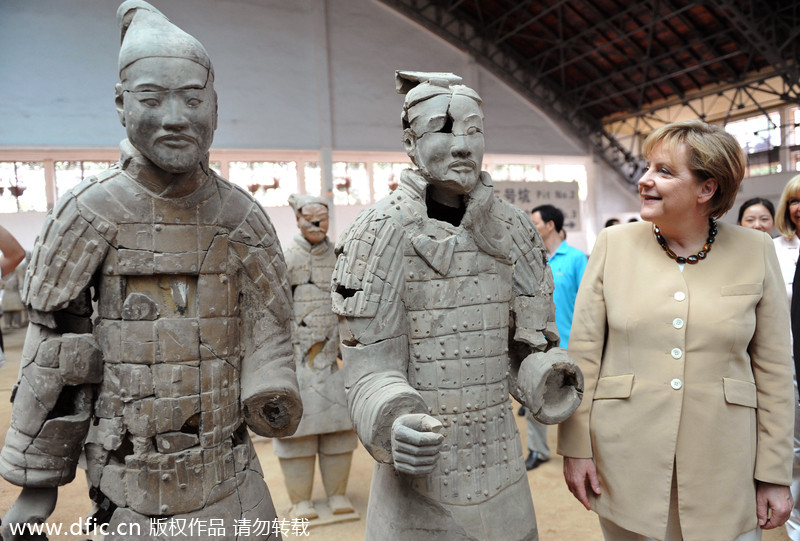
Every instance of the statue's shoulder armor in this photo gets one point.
(529, 254)
(298, 262)
(72, 245)
(253, 238)
(369, 259)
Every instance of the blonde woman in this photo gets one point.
(787, 246)
(681, 329)
(787, 218)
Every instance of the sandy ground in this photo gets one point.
(560, 517)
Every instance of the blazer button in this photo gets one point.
(676, 384)
(677, 323)
(679, 296)
(676, 353)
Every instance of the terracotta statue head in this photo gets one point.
(312, 216)
(442, 129)
(165, 97)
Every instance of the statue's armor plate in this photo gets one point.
(458, 336)
(315, 337)
(170, 273)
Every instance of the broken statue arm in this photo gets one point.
(270, 394)
(543, 376)
(52, 399)
(389, 415)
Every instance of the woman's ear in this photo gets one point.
(707, 190)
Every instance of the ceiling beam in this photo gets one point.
(515, 71)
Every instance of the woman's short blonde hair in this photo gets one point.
(783, 221)
(713, 153)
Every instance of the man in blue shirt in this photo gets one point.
(567, 264)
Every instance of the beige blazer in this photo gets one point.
(688, 368)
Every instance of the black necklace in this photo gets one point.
(692, 259)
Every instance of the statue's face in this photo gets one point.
(313, 222)
(449, 145)
(168, 107)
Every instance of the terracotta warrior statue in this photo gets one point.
(325, 430)
(445, 307)
(159, 319)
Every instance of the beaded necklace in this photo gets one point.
(692, 259)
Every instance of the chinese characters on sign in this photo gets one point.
(527, 195)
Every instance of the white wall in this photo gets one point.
(59, 66)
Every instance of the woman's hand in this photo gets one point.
(581, 473)
(774, 498)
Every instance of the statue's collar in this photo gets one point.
(144, 172)
(315, 249)
(480, 221)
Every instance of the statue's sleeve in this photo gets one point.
(532, 325)
(367, 295)
(269, 391)
(53, 396)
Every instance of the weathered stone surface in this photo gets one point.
(310, 260)
(188, 341)
(442, 292)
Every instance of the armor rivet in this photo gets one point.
(469, 468)
(469, 496)
(442, 352)
(164, 508)
(485, 492)
(159, 227)
(455, 352)
(455, 327)
(447, 471)
(467, 362)
(416, 367)
(455, 409)
(444, 482)
(165, 477)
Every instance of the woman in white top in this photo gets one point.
(787, 219)
(787, 246)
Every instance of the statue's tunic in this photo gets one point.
(315, 338)
(190, 328)
(431, 324)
